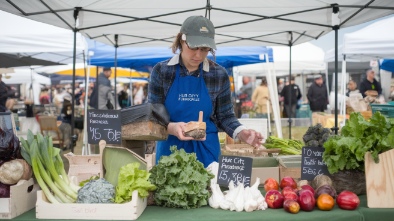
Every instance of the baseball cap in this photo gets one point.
(199, 32)
(106, 68)
(317, 76)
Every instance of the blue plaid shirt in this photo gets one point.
(217, 82)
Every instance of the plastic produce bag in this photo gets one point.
(9, 146)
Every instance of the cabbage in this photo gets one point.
(181, 180)
(9, 146)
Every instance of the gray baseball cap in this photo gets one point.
(199, 32)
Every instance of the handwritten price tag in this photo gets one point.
(104, 125)
(235, 168)
(312, 163)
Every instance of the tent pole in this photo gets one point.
(290, 109)
(73, 136)
(85, 147)
(116, 65)
(290, 36)
(336, 80)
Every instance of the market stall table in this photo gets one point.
(155, 213)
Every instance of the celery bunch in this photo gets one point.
(48, 168)
(287, 146)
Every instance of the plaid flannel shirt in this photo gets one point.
(216, 80)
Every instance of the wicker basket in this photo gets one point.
(352, 180)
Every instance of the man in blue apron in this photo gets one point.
(189, 83)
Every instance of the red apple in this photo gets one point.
(348, 200)
(308, 187)
(290, 195)
(291, 206)
(271, 184)
(274, 199)
(287, 189)
(288, 181)
(306, 199)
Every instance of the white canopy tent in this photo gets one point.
(374, 42)
(306, 58)
(241, 23)
(248, 22)
(39, 40)
(28, 78)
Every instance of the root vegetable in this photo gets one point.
(11, 172)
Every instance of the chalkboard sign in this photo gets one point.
(104, 125)
(312, 163)
(235, 168)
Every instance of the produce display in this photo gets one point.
(132, 178)
(181, 180)
(12, 167)
(48, 168)
(358, 136)
(96, 191)
(316, 135)
(287, 146)
(294, 198)
(237, 198)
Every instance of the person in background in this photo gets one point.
(65, 126)
(370, 83)
(189, 83)
(352, 88)
(317, 95)
(44, 96)
(246, 91)
(102, 97)
(5, 93)
(290, 94)
(260, 98)
(123, 97)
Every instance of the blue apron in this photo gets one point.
(188, 96)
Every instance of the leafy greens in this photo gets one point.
(181, 180)
(357, 137)
(132, 178)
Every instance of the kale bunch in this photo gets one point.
(316, 135)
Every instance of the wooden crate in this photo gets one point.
(23, 198)
(290, 166)
(125, 211)
(379, 179)
(82, 168)
(146, 130)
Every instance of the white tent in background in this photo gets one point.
(306, 59)
(39, 40)
(27, 77)
(374, 42)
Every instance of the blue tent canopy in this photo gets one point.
(388, 65)
(144, 58)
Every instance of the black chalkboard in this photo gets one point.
(312, 163)
(104, 125)
(235, 168)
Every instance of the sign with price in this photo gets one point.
(312, 163)
(104, 125)
(235, 168)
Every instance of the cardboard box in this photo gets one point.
(125, 211)
(23, 198)
(264, 173)
(87, 166)
(264, 168)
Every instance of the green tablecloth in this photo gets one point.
(154, 213)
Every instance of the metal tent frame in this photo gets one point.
(247, 22)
